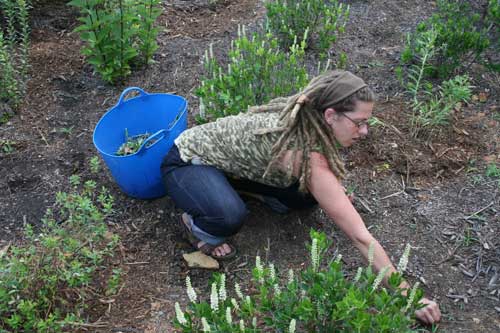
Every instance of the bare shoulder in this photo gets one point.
(318, 160)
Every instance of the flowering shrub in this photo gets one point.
(323, 19)
(317, 299)
(258, 71)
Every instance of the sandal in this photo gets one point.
(205, 248)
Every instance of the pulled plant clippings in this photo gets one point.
(133, 143)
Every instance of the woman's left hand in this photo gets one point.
(430, 313)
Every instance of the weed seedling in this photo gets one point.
(7, 146)
(114, 282)
(95, 164)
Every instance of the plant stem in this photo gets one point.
(95, 30)
(149, 31)
(121, 39)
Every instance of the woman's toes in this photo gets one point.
(222, 250)
(226, 248)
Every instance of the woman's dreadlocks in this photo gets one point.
(303, 126)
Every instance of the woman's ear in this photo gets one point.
(330, 115)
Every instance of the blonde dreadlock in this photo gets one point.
(304, 128)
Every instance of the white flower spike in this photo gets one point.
(314, 254)
(204, 325)
(379, 278)
(403, 262)
(371, 250)
(293, 323)
(190, 291)
(179, 314)
(237, 289)
(229, 318)
(222, 289)
(214, 298)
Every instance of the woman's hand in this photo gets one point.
(429, 314)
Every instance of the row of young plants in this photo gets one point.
(14, 51)
(121, 34)
(319, 298)
(47, 281)
(441, 50)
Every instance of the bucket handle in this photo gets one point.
(129, 89)
(158, 136)
(178, 117)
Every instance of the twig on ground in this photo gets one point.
(137, 263)
(43, 137)
(364, 204)
(93, 325)
(479, 211)
(391, 195)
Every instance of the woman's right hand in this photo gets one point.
(430, 313)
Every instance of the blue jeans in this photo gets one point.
(210, 197)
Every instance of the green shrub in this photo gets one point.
(258, 71)
(43, 282)
(323, 20)
(14, 49)
(431, 106)
(119, 34)
(461, 38)
(315, 299)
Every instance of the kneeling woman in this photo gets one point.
(284, 152)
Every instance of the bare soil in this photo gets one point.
(429, 191)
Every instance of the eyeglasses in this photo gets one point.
(358, 123)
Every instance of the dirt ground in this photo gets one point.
(430, 192)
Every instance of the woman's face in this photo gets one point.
(349, 127)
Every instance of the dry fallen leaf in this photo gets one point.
(200, 260)
(483, 97)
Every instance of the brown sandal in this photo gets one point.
(205, 248)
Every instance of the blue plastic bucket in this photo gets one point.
(164, 116)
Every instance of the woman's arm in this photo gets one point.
(329, 193)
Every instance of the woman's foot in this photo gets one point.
(221, 251)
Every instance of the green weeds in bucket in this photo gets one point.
(133, 143)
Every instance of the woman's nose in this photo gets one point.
(363, 130)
